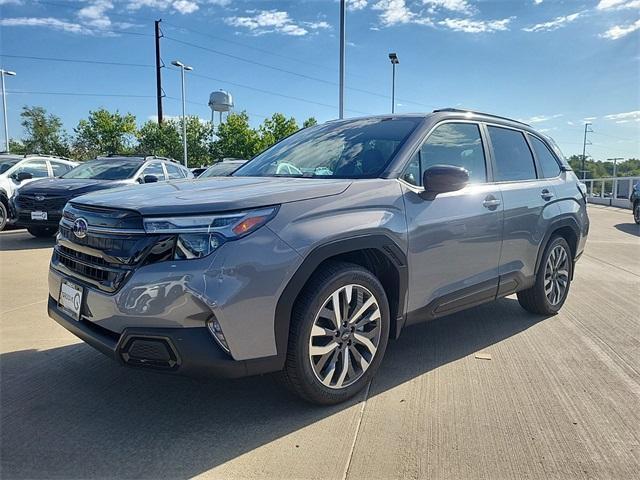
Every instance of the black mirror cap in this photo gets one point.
(444, 178)
(150, 179)
(21, 176)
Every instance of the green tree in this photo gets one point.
(43, 133)
(198, 141)
(275, 129)
(104, 133)
(236, 138)
(309, 122)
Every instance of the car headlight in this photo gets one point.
(200, 235)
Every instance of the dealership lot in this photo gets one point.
(493, 392)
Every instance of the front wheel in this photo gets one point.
(4, 216)
(636, 212)
(339, 333)
(550, 291)
(42, 232)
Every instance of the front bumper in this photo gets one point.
(184, 351)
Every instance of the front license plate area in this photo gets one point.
(38, 215)
(70, 299)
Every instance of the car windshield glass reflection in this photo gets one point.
(347, 149)
(104, 170)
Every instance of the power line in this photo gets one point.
(72, 60)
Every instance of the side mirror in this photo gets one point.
(21, 176)
(444, 178)
(150, 179)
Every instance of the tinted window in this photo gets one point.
(60, 169)
(105, 170)
(457, 144)
(513, 159)
(546, 160)
(7, 164)
(346, 149)
(37, 168)
(174, 172)
(221, 169)
(155, 169)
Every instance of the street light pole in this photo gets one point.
(4, 106)
(342, 55)
(183, 67)
(394, 61)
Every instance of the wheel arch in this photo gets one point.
(378, 253)
(565, 227)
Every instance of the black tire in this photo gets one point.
(535, 299)
(636, 212)
(42, 232)
(298, 374)
(4, 214)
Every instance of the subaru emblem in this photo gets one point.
(39, 198)
(80, 227)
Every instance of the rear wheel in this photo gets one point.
(339, 333)
(3, 216)
(42, 232)
(636, 212)
(550, 291)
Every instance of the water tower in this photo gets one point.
(220, 101)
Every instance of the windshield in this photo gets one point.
(348, 149)
(7, 164)
(105, 170)
(221, 169)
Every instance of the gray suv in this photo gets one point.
(311, 256)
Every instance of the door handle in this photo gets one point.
(491, 202)
(546, 194)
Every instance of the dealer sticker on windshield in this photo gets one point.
(71, 298)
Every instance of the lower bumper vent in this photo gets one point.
(150, 352)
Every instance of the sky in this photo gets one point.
(554, 64)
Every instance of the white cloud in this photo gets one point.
(617, 4)
(537, 2)
(10, 2)
(475, 26)
(619, 31)
(356, 4)
(569, 122)
(588, 119)
(554, 24)
(95, 14)
(459, 6)
(270, 21)
(49, 22)
(395, 12)
(634, 115)
(542, 118)
(184, 7)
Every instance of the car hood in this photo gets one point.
(67, 186)
(214, 194)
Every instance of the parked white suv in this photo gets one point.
(16, 170)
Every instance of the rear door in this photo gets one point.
(528, 205)
(454, 238)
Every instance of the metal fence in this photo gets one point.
(611, 191)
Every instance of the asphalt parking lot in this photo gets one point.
(558, 398)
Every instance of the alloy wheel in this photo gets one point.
(345, 336)
(556, 275)
(636, 212)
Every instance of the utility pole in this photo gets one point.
(342, 52)
(584, 149)
(614, 187)
(159, 65)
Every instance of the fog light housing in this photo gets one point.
(216, 331)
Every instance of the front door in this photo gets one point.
(454, 239)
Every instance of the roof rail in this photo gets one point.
(168, 159)
(458, 110)
(46, 155)
(139, 155)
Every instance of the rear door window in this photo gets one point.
(174, 172)
(154, 168)
(512, 156)
(60, 168)
(546, 159)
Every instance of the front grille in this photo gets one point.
(87, 271)
(83, 257)
(103, 243)
(29, 202)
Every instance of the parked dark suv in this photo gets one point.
(39, 204)
(312, 255)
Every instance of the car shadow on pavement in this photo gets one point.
(22, 240)
(630, 228)
(70, 412)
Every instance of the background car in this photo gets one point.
(17, 170)
(38, 206)
(222, 169)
